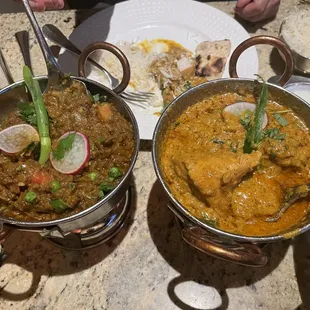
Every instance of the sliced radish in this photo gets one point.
(75, 159)
(240, 108)
(16, 138)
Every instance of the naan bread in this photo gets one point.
(211, 58)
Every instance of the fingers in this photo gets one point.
(42, 5)
(37, 5)
(242, 3)
(54, 4)
(253, 9)
(258, 10)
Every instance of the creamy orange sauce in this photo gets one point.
(204, 165)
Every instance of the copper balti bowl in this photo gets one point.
(210, 240)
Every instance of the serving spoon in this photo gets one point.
(292, 194)
(56, 77)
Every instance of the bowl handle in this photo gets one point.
(247, 254)
(282, 47)
(114, 50)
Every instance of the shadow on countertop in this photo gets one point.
(301, 247)
(196, 266)
(30, 252)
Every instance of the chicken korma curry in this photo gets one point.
(224, 178)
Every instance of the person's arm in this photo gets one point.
(257, 10)
(42, 5)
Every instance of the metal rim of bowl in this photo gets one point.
(182, 209)
(38, 224)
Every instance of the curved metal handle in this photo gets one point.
(114, 50)
(247, 254)
(51, 63)
(289, 59)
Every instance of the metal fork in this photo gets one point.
(5, 69)
(137, 98)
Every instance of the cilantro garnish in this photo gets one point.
(64, 146)
(246, 119)
(206, 219)
(27, 113)
(274, 133)
(219, 142)
(97, 98)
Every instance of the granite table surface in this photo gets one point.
(147, 265)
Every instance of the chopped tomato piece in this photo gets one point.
(104, 111)
(41, 178)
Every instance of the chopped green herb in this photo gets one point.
(106, 187)
(97, 98)
(101, 194)
(64, 146)
(187, 85)
(233, 148)
(206, 219)
(93, 176)
(55, 186)
(273, 156)
(274, 133)
(71, 186)
(220, 142)
(28, 113)
(30, 197)
(281, 120)
(246, 119)
(20, 168)
(260, 167)
(115, 173)
(59, 205)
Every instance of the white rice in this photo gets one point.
(140, 61)
(296, 30)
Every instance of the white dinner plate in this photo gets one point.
(184, 21)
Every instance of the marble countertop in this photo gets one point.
(147, 265)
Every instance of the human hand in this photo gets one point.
(257, 10)
(42, 5)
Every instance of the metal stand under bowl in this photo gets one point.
(101, 231)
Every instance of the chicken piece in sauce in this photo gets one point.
(211, 174)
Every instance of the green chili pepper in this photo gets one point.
(55, 186)
(41, 112)
(30, 197)
(255, 134)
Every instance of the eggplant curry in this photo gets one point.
(231, 161)
(61, 154)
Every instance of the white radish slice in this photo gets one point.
(16, 138)
(75, 159)
(239, 108)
